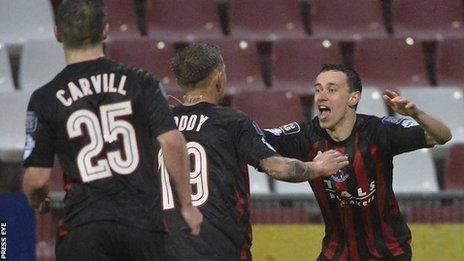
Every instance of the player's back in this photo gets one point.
(220, 142)
(99, 117)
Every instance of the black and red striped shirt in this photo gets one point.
(361, 213)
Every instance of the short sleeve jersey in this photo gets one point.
(360, 211)
(101, 119)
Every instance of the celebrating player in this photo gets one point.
(220, 142)
(361, 214)
(102, 119)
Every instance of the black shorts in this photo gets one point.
(211, 245)
(106, 240)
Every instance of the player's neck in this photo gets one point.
(343, 128)
(83, 54)
(195, 97)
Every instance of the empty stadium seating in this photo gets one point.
(183, 20)
(270, 108)
(414, 172)
(24, 19)
(454, 170)
(242, 65)
(122, 19)
(265, 19)
(295, 63)
(259, 182)
(6, 78)
(40, 61)
(446, 103)
(282, 187)
(347, 20)
(149, 54)
(12, 129)
(427, 19)
(450, 62)
(390, 63)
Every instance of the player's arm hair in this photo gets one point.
(175, 157)
(286, 169)
(35, 186)
(436, 132)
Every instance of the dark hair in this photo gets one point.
(81, 22)
(195, 63)
(353, 78)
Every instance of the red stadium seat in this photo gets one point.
(390, 63)
(242, 65)
(450, 62)
(427, 19)
(454, 169)
(265, 19)
(341, 19)
(295, 63)
(149, 54)
(183, 20)
(122, 19)
(270, 108)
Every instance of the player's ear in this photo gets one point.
(57, 34)
(354, 99)
(105, 31)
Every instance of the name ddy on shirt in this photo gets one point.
(190, 122)
(100, 83)
(362, 197)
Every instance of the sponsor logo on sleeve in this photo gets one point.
(31, 122)
(290, 128)
(405, 122)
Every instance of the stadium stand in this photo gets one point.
(295, 63)
(270, 109)
(24, 19)
(146, 53)
(46, 54)
(265, 19)
(407, 178)
(454, 168)
(12, 129)
(347, 20)
(122, 19)
(6, 77)
(450, 62)
(390, 62)
(183, 20)
(427, 19)
(446, 103)
(242, 65)
(259, 182)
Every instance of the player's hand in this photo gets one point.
(329, 162)
(400, 104)
(44, 206)
(194, 218)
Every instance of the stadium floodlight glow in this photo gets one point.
(409, 41)
(326, 43)
(123, 27)
(375, 95)
(160, 45)
(456, 24)
(457, 95)
(243, 45)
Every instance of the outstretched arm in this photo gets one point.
(293, 170)
(435, 131)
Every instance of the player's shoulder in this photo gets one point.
(140, 74)
(230, 114)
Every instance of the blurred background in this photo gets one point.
(272, 49)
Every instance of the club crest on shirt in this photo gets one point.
(31, 122)
(340, 176)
